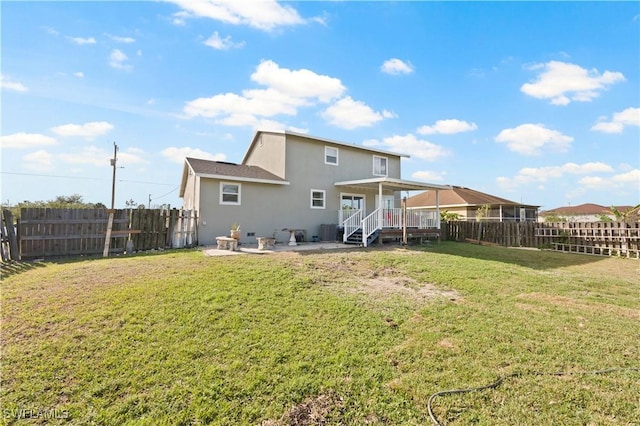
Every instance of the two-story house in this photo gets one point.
(289, 181)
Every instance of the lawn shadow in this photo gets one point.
(522, 256)
(14, 267)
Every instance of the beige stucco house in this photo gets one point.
(465, 203)
(290, 183)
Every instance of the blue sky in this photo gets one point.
(536, 102)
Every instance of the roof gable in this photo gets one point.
(325, 141)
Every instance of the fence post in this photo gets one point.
(14, 251)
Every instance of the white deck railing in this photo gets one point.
(391, 219)
(369, 225)
(352, 223)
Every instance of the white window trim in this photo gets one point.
(337, 155)
(324, 199)
(386, 166)
(228, 203)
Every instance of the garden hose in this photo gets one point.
(498, 382)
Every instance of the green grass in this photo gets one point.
(180, 338)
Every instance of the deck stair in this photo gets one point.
(356, 237)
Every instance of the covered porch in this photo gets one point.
(362, 227)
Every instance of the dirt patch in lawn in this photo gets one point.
(312, 411)
(405, 287)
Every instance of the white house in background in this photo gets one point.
(295, 184)
(587, 212)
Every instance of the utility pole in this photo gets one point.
(107, 239)
(114, 160)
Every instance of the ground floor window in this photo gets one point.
(230, 193)
(318, 197)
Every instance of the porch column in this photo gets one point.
(437, 209)
(380, 204)
(500, 212)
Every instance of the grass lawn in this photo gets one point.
(333, 337)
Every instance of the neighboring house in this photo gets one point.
(465, 203)
(289, 182)
(587, 212)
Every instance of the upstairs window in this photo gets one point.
(380, 166)
(317, 198)
(330, 155)
(230, 193)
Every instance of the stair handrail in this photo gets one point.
(351, 224)
(370, 224)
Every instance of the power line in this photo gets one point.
(82, 178)
(147, 183)
(52, 176)
(164, 195)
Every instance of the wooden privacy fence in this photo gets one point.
(46, 232)
(9, 248)
(598, 238)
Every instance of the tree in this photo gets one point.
(554, 217)
(447, 216)
(73, 201)
(481, 213)
(628, 216)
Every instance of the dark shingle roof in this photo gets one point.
(457, 196)
(221, 168)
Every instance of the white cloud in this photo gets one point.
(265, 15)
(349, 114)
(530, 139)
(301, 83)
(429, 176)
(9, 84)
(266, 103)
(100, 157)
(562, 82)
(409, 144)
(628, 117)
(177, 155)
(396, 66)
(81, 40)
(631, 177)
(541, 175)
(41, 161)
(88, 155)
(131, 156)
(26, 140)
(86, 130)
(629, 181)
(79, 74)
(118, 60)
(220, 43)
(286, 91)
(447, 127)
(119, 39)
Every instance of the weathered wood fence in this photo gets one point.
(46, 232)
(598, 238)
(9, 248)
